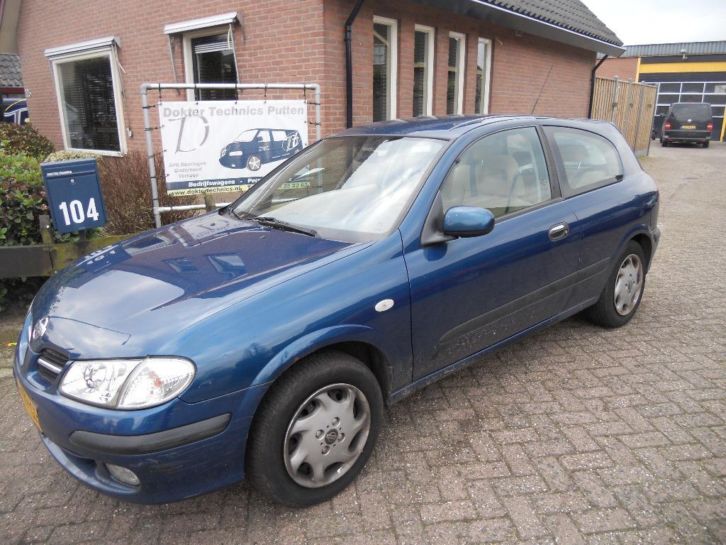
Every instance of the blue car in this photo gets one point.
(264, 340)
(256, 147)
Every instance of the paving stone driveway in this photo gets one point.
(576, 435)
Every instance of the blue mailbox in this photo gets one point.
(74, 195)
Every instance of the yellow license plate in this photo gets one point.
(688, 126)
(29, 406)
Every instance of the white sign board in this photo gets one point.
(226, 145)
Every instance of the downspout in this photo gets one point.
(349, 63)
(592, 86)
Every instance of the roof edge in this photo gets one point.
(485, 11)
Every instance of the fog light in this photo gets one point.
(123, 475)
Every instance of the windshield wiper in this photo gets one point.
(279, 224)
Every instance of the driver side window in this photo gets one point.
(503, 172)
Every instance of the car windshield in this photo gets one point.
(350, 188)
(699, 111)
(247, 136)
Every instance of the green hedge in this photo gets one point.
(22, 200)
(24, 140)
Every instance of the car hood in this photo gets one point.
(155, 285)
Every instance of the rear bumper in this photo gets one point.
(686, 136)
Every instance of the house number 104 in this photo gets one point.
(73, 212)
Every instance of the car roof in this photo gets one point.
(444, 127)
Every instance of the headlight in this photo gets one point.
(127, 384)
(237, 153)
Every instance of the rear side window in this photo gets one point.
(691, 111)
(589, 160)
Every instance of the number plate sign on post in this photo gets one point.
(74, 195)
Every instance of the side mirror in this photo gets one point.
(468, 221)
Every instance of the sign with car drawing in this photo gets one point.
(216, 146)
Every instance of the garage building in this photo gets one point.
(683, 72)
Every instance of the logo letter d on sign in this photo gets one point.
(184, 130)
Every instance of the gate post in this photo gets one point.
(150, 154)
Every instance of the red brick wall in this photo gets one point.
(281, 41)
(623, 68)
(300, 41)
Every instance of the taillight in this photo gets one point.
(709, 126)
(667, 125)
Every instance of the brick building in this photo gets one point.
(84, 61)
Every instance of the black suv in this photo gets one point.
(255, 147)
(687, 122)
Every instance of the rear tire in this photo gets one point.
(663, 143)
(315, 430)
(706, 143)
(623, 292)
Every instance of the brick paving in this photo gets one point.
(574, 436)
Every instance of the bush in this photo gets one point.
(69, 155)
(24, 140)
(20, 168)
(127, 194)
(22, 200)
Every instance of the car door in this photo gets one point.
(279, 138)
(264, 145)
(606, 203)
(471, 293)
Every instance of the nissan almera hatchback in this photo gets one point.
(265, 340)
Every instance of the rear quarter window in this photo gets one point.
(587, 160)
(692, 111)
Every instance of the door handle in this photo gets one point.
(559, 231)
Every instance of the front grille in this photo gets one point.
(51, 363)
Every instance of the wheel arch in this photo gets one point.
(353, 340)
(642, 235)
(646, 244)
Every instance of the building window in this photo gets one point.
(385, 69)
(88, 88)
(455, 83)
(483, 75)
(423, 71)
(209, 58)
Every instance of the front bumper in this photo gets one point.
(178, 450)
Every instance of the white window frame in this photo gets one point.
(81, 52)
(460, 70)
(428, 67)
(487, 75)
(187, 38)
(393, 59)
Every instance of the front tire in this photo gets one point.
(254, 162)
(623, 292)
(315, 430)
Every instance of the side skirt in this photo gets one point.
(424, 381)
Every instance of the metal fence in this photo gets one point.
(629, 106)
(147, 88)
